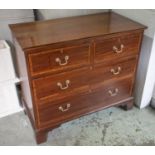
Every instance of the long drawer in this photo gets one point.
(117, 47)
(58, 60)
(62, 110)
(61, 85)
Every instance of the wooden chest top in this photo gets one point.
(35, 34)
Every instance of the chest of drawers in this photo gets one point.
(74, 66)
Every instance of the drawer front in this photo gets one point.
(117, 47)
(112, 71)
(59, 60)
(61, 111)
(61, 85)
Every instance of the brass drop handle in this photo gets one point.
(66, 108)
(58, 60)
(114, 92)
(116, 72)
(67, 82)
(117, 50)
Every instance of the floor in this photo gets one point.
(112, 126)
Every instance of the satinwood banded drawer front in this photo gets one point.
(59, 59)
(111, 92)
(61, 85)
(112, 70)
(117, 47)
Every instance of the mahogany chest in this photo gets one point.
(74, 66)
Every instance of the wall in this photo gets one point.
(44, 14)
(143, 16)
(8, 16)
(145, 79)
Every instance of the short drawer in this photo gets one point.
(61, 85)
(117, 47)
(63, 110)
(112, 71)
(59, 60)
